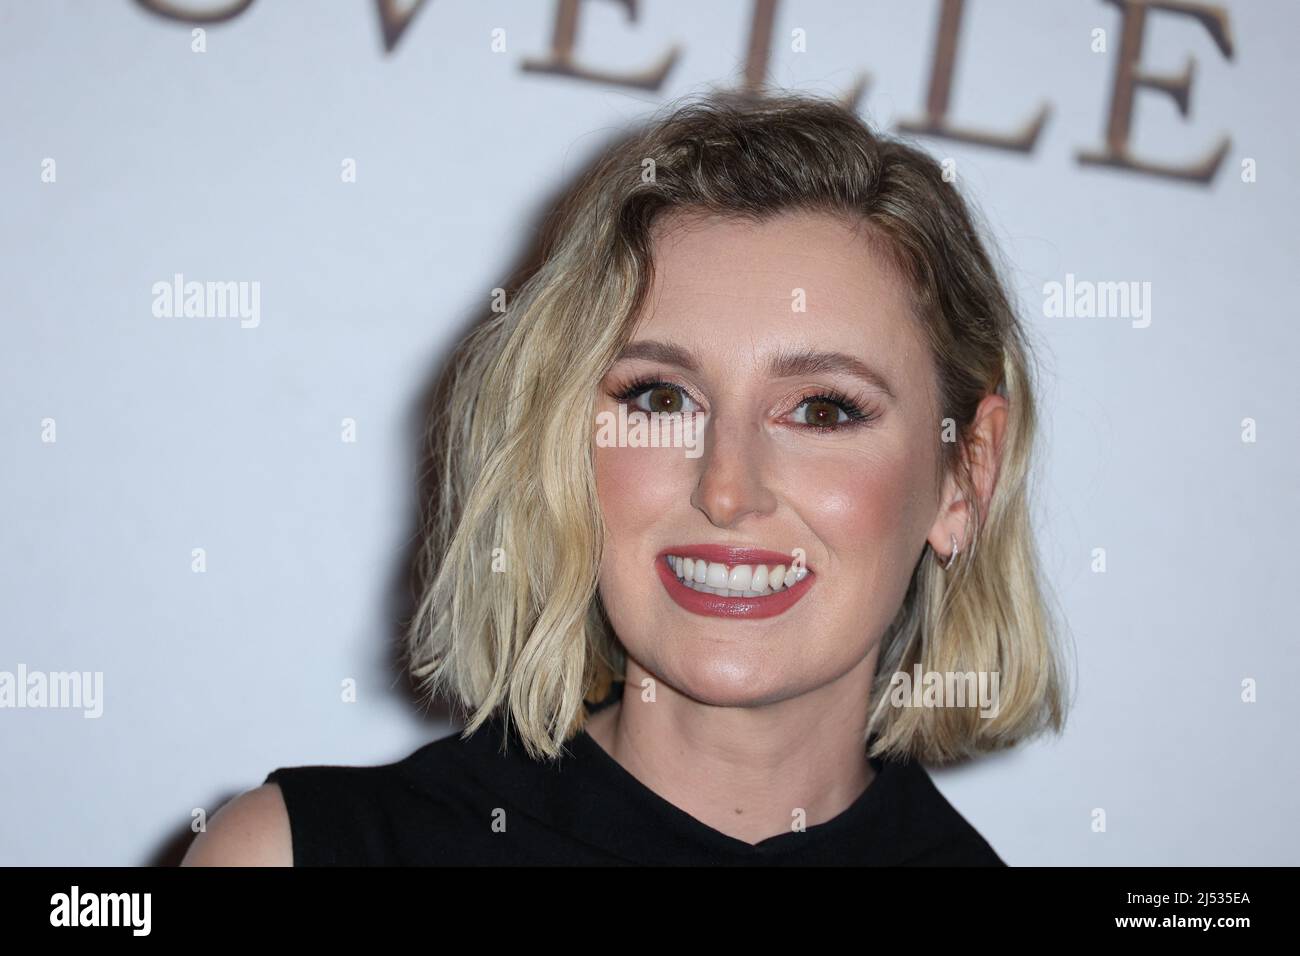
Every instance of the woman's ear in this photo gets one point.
(983, 458)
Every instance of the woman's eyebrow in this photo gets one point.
(663, 352)
(784, 364)
(788, 364)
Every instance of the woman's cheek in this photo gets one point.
(635, 491)
(862, 507)
(642, 493)
(631, 482)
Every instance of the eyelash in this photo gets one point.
(857, 414)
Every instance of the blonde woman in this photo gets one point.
(735, 644)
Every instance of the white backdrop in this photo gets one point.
(175, 434)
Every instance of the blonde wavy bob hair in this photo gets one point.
(515, 492)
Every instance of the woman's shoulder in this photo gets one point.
(312, 814)
(387, 814)
(251, 830)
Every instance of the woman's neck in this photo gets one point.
(748, 772)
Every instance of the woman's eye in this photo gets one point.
(820, 413)
(664, 398)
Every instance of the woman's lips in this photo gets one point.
(717, 605)
(730, 556)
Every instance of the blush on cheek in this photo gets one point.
(644, 493)
(868, 514)
(635, 479)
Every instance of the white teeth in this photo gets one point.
(743, 580)
(739, 578)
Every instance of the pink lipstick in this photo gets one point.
(746, 583)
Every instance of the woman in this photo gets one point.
(735, 644)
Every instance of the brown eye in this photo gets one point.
(821, 413)
(664, 399)
(658, 398)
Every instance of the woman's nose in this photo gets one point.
(732, 480)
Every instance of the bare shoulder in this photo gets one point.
(250, 830)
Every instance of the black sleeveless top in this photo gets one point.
(465, 802)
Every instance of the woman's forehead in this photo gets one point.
(795, 263)
(801, 279)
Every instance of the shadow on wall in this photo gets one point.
(404, 584)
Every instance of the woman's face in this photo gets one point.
(765, 330)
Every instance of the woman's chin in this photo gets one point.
(729, 679)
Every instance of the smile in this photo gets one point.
(717, 581)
